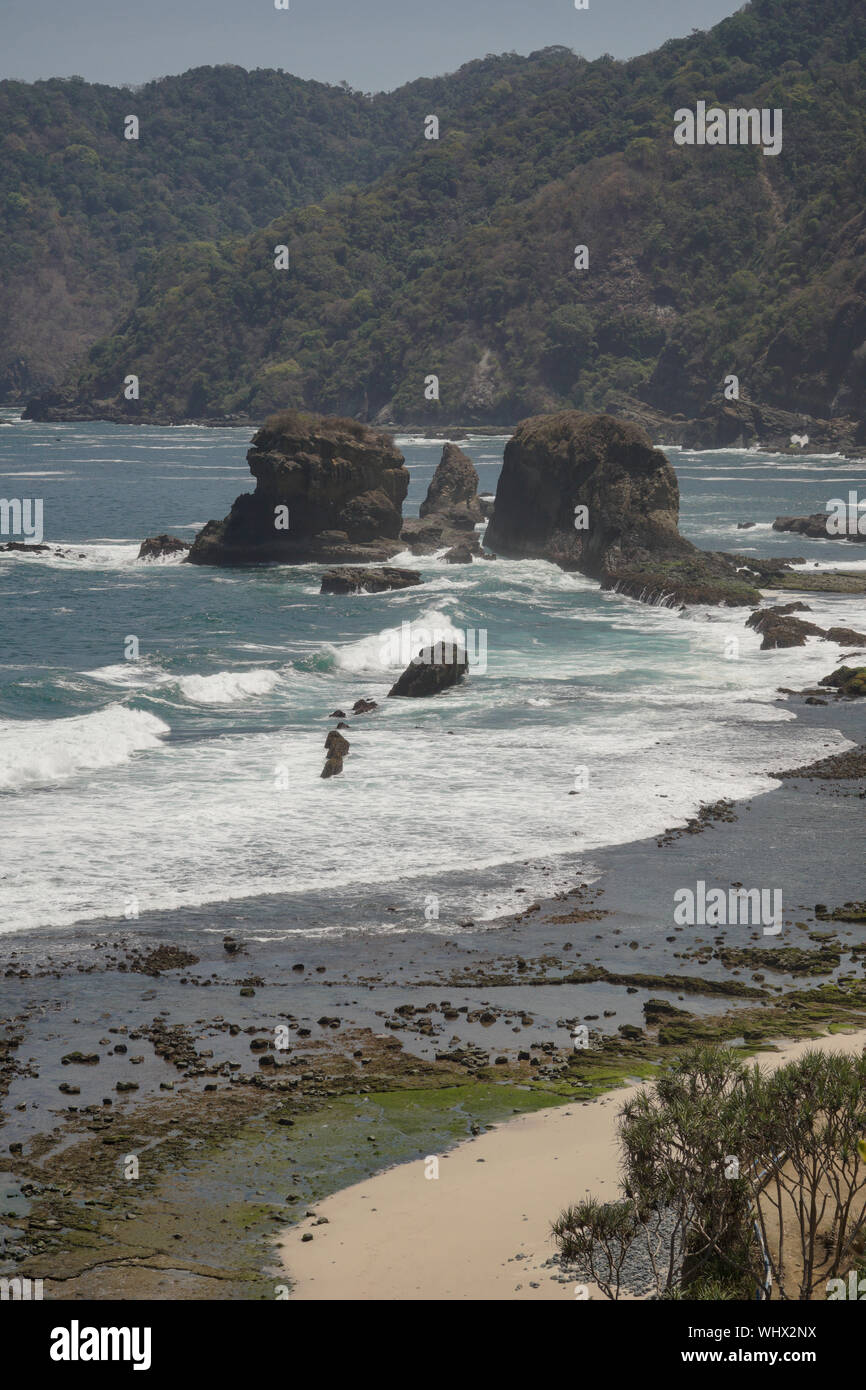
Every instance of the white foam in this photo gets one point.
(381, 653)
(227, 687)
(37, 752)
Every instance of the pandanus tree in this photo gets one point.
(733, 1179)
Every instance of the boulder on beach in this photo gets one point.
(590, 493)
(433, 670)
(154, 547)
(348, 579)
(327, 490)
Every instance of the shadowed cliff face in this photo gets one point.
(326, 490)
(590, 493)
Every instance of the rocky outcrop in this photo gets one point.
(816, 527)
(849, 681)
(154, 547)
(744, 423)
(462, 554)
(591, 494)
(349, 580)
(451, 510)
(326, 490)
(433, 670)
(779, 629)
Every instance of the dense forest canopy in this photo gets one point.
(456, 257)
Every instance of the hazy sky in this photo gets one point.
(372, 44)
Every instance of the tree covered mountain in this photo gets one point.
(85, 212)
(458, 260)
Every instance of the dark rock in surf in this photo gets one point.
(816, 527)
(336, 745)
(154, 547)
(355, 580)
(779, 629)
(433, 670)
(462, 554)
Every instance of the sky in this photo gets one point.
(374, 45)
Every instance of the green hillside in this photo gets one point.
(84, 213)
(458, 260)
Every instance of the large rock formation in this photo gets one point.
(327, 490)
(451, 510)
(590, 493)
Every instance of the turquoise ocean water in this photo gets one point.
(189, 779)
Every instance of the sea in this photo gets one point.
(176, 777)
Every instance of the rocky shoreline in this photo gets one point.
(395, 1046)
(733, 424)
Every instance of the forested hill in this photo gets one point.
(458, 261)
(84, 212)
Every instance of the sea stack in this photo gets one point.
(327, 490)
(451, 510)
(590, 493)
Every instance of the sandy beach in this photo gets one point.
(481, 1230)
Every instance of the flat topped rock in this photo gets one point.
(327, 490)
(348, 579)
